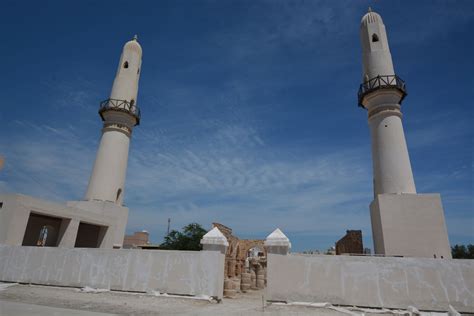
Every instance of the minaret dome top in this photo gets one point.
(371, 17)
(133, 45)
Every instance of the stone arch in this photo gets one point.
(249, 244)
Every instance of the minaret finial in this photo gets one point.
(135, 37)
(370, 9)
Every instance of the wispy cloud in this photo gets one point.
(45, 161)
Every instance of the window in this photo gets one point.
(90, 235)
(119, 191)
(42, 230)
(125, 65)
(375, 38)
(138, 71)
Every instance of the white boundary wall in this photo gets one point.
(174, 272)
(427, 284)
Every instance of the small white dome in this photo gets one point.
(371, 17)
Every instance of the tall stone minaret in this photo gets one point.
(404, 223)
(120, 114)
(381, 94)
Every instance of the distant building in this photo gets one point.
(350, 243)
(311, 252)
(137, 240)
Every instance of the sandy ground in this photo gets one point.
(8, 308)
(123, 303)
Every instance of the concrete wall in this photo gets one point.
(427, 284)
(174, 272)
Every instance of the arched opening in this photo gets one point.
(119, 193)
(375, 38)
(255, 266)
(125, 65)
(255, 252)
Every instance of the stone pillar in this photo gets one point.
(229, 288)
(260, 277)
(245, 281)
(214, 240)
(231, 272)
(226, 267)
(277, 243)
(253, 279)
(238, 267)
(237, 283)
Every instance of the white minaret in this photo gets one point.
(381, 94)
(120, 114)
(404, 223)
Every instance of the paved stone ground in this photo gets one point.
(122, 303)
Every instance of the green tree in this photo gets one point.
(188, 239)
(470, 251)
(463, 252)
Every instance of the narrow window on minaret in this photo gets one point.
(119, 191)
(125, 64)
(138, 71)
(375, 38)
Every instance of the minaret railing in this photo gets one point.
(381, 82)
(120, 105)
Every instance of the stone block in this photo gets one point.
(409, 225)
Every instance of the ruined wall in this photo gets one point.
(240, 273)
(427, 284)
(174, 272)
(350, 243)
(137, 239)
(247, 244)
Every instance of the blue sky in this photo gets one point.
(249, 109)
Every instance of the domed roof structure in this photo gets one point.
(133, 45)
(371, 17)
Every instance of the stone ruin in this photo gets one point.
(351, 243)
(245, 263)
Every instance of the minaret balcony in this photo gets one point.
(381, 82)
(121, 106)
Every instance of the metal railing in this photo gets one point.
(120, 105)
(381, 82)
